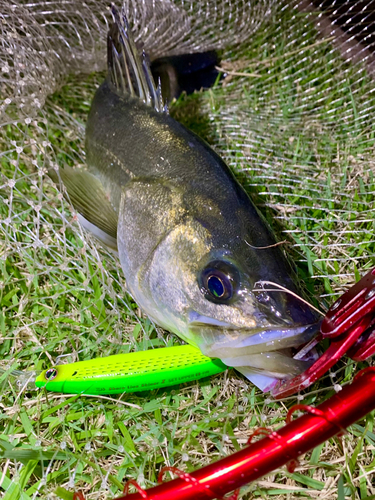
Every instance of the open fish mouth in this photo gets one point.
(263, 355)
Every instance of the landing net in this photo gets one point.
(294, 118)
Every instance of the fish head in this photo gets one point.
(219, 281)
(230, 301)
(252, 323)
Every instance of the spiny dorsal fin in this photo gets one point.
(129, 72)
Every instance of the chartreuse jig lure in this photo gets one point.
(136, 371)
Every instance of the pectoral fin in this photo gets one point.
(88, 197)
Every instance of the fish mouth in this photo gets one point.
(273, 352)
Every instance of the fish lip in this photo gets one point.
(275, 333)
(258, 336)
(264, 355)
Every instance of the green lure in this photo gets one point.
(136, 371)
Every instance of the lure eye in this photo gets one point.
(219, 281)
(51, 373)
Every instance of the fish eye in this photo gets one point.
(219, 281)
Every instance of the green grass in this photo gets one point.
(304, 150)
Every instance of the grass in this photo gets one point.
(299, 136)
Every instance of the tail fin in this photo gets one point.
(129, 72)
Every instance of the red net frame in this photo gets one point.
(277, 448)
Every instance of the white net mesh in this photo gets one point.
(294, 118)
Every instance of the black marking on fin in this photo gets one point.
(128, 71)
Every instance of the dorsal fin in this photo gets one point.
(129, 72)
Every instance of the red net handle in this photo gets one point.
(273, 451)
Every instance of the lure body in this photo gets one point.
(131, 372)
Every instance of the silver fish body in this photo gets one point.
(196, 253)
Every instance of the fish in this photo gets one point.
(198, 257)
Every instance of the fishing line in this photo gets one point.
(284, 242)
(280, 287)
